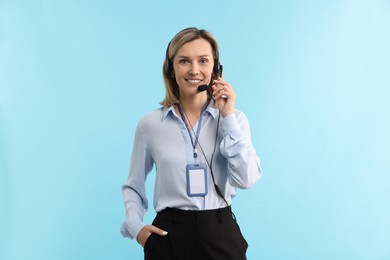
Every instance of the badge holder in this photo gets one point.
(197, 185)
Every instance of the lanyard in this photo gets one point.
(183, 117)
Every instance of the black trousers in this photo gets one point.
(196, 235)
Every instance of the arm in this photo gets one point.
(135, 200)
(236, 146)
(136, 203)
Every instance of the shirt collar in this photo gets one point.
(168, 110)
(210, 109)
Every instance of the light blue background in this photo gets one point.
(312, 77)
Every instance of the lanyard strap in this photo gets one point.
(183, 117)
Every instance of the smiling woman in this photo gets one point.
(195, 184)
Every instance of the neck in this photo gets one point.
(194, 104)
(192, 109)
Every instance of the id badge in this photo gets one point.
(196, 180)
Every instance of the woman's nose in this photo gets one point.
(194, 69)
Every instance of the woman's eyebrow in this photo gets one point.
(186, 57)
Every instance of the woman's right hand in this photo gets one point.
(146, 231)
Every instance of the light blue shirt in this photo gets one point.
(162, 140)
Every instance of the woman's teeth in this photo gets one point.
(194, 81)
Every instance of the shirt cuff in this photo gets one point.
(131, 227)
(229, 125)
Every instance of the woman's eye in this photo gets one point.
(203, 61)
(183, 61)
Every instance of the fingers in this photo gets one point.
(158, 231)
(146, 231)
(224, 97)
(222, 89)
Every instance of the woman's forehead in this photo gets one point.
(195, 48)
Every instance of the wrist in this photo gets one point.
(225, 114)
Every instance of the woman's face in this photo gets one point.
(193, 66)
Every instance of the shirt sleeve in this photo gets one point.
(243, 163)
(135, 200)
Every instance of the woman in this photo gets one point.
(201, 148)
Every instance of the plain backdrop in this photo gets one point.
(312, 77)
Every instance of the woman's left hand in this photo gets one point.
(224, 96)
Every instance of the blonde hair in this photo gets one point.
(172, 94)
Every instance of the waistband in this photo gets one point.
(197, 217)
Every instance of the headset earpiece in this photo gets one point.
(217, 70)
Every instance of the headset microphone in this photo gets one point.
(202, 88)
(218, 72)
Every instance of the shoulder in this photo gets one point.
(152, 118)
